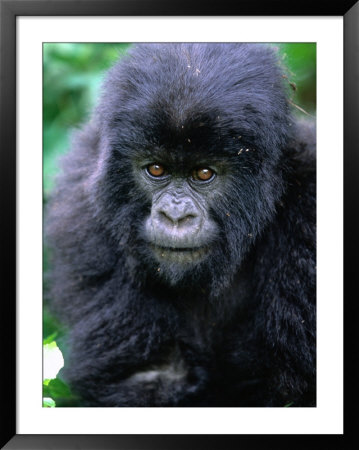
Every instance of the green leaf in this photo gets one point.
(45, 389)
(58, 389)
(50, 339)
(59, 392)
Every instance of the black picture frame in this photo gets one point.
(9, 10)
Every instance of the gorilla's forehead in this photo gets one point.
(182, 139)
(181, 157)
(194, 138)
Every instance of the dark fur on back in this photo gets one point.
(239, 329)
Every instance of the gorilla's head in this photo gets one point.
(189, 171)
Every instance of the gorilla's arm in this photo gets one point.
(285, 274)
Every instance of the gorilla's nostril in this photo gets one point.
(165, 218)
(190, 218)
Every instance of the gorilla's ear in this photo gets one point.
(92, 146)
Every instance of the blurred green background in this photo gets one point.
(72, 75)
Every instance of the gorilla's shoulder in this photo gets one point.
(300, 156)
(302, 144)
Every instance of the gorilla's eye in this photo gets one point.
(202, 174)
(156, 170)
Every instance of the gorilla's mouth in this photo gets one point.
(181, 255)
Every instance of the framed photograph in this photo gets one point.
(188, 315)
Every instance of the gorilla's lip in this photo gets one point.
(178, 249)
(179, 254)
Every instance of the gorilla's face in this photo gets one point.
(181, 186)
(180, 228)
(197, 190)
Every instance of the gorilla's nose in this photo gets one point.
(178, 216)
(176, 221)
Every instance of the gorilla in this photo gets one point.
(182, 234)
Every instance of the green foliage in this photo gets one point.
(48, 403)
(72, 74)
(301, 62)
(55, 391)
(51, 328)
(50, 339)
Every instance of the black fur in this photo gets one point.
(237, 329)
